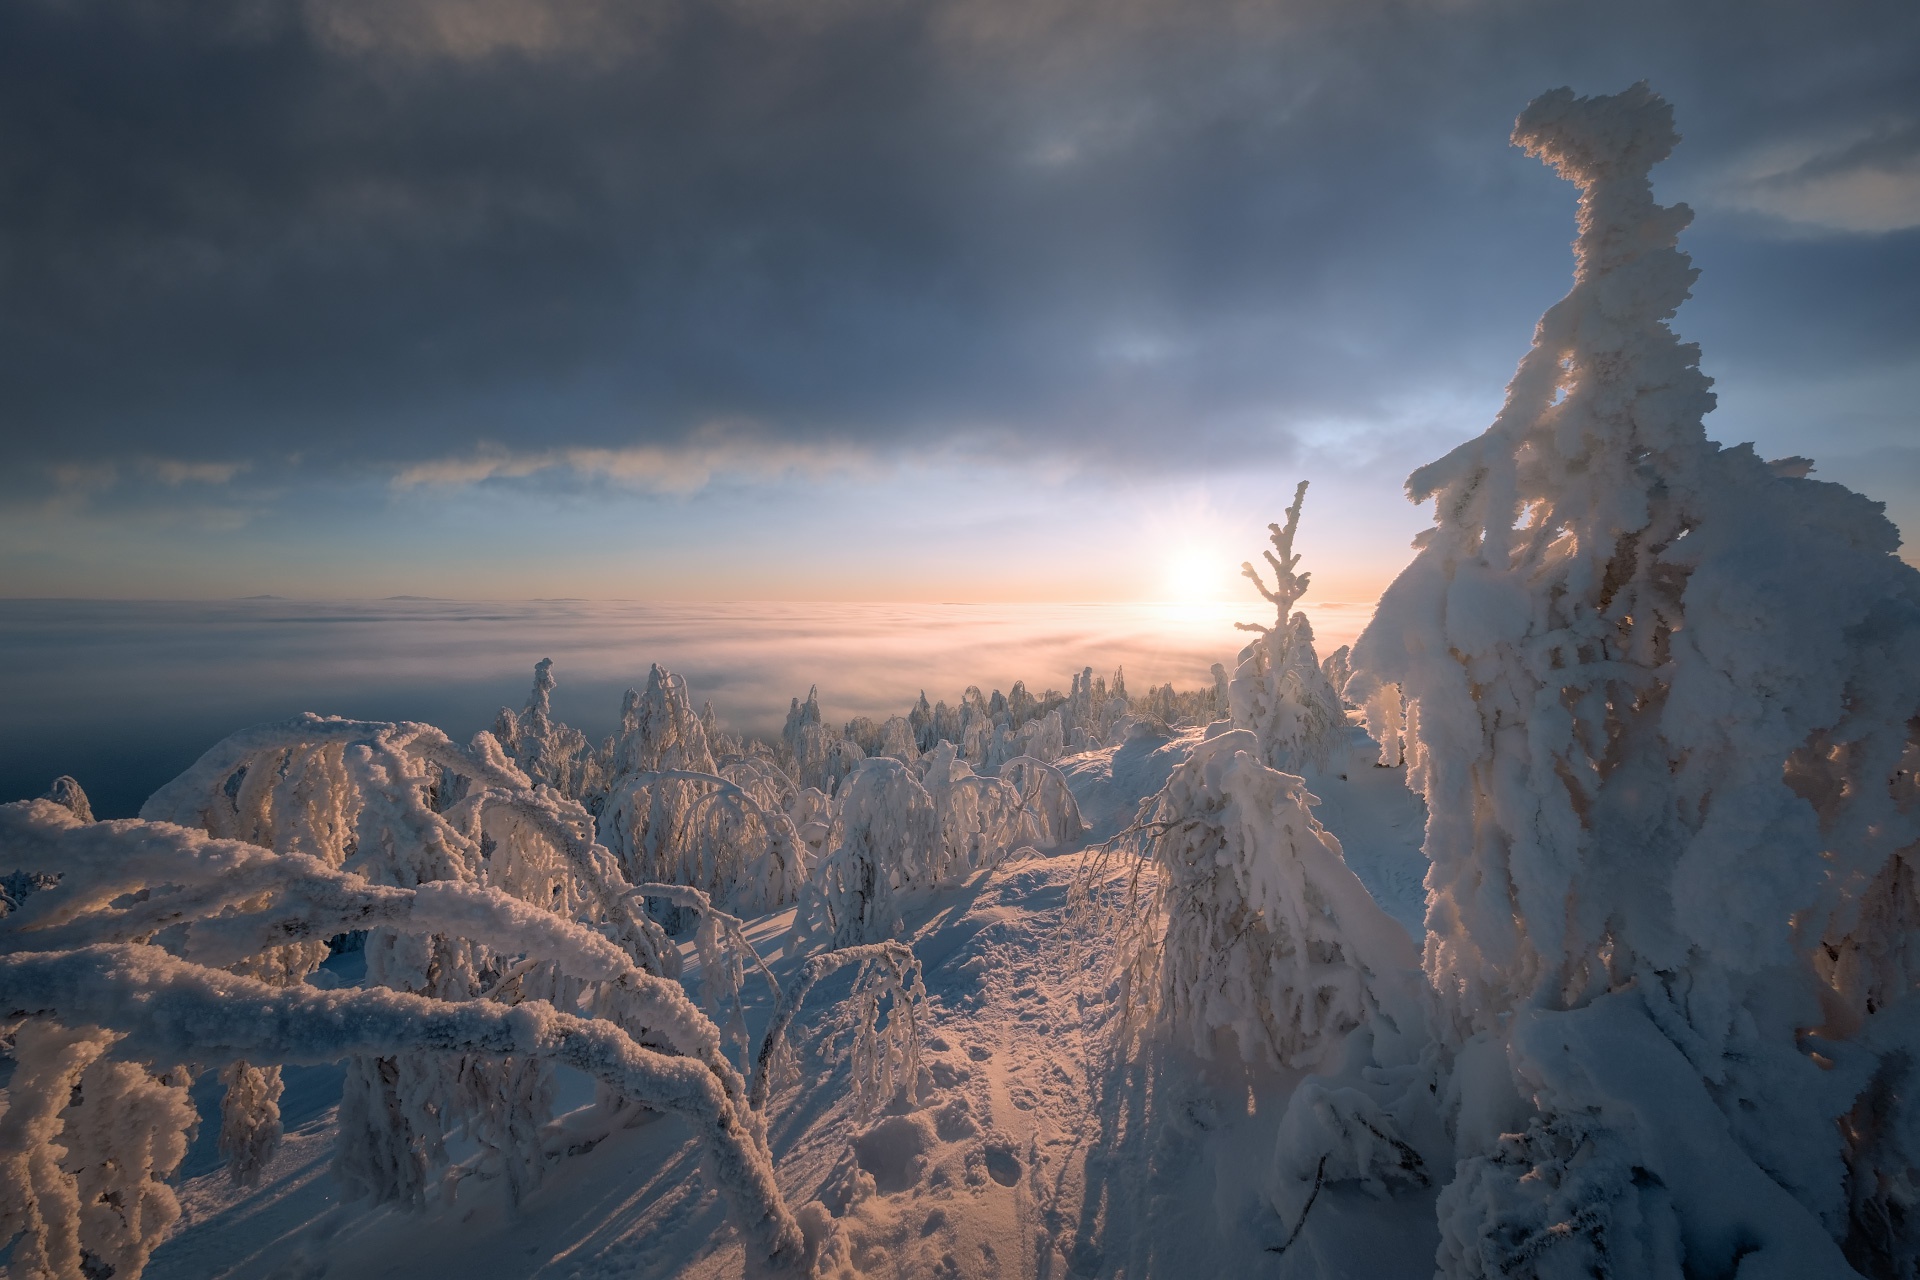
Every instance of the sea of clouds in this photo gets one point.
(124, 694)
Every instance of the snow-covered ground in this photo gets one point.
(1034, 1150)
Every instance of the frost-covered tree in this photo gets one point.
(1242, 930)
(86, 1146)
(814, 754)
(1047, 800)
(707, 831)
(1661, 701)
(1278, 691)
(981, 820)
(403, 806)
(547, 750)
(885, 837)
(138, 958)
(660, 731)
(669, 814)
(1338, 668)
(886, 1049)
(1387, 718)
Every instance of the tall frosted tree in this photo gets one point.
(1662, 702)
(1279, 691)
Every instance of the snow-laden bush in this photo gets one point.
(886, 1046)
(885, 837)
(1338, 668)
(703, 830)
(1241, 929)
(981, 820)
(1278, 691)
(1047, 800)
(133, 950)
(1661, 701)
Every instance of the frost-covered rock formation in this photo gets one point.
(1661, 699)
(1278, 691)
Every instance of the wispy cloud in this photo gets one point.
(471, 30)
(172, 471)
(1858, 183)
(713, 452)
(76, 481)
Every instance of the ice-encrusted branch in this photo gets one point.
(1288, 586)
(169, 1009)
(567, 828)
(725, 951)
(898, 1061)
(227, 900)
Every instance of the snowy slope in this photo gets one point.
(1033, 1153)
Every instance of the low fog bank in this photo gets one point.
(123, 695)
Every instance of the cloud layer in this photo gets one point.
(269, 245)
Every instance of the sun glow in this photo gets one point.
(1194, 575)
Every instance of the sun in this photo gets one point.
(1192, 575)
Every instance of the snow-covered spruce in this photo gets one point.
(1243, 931)
(168, 1009)
(1661, 701)
(1279, 691)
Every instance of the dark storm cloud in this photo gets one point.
(376, 235)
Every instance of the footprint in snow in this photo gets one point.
(1003, 1166)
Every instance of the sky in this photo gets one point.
(941, 300)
